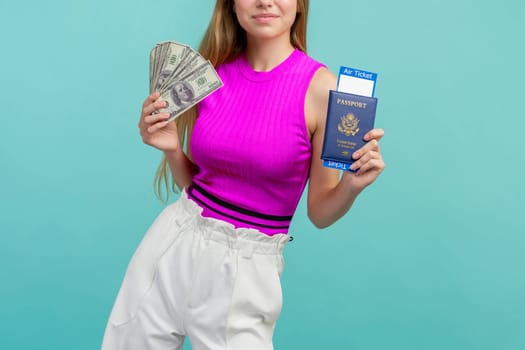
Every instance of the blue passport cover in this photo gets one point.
(348, 119)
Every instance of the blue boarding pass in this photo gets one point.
(356, 81)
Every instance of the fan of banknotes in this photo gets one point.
(182, 76)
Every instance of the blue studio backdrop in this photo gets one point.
(430, 257)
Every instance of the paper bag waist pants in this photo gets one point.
(201, 278)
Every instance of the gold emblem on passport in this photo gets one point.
(349, 125)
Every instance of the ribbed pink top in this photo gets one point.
(251, 144)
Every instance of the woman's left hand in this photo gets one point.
(368, 160)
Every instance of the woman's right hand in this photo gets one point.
(155, 130)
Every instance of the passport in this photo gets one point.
(349, 118)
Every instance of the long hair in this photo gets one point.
(223, 41)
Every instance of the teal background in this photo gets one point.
(430, 257)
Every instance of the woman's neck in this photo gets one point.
(264, 55)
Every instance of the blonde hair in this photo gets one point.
(223, 41)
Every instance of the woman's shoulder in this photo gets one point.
(322, 82)
(317, 96)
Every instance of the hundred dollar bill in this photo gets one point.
(190, 89)
(167, 57)
(156, 57)
(151, 68)
(191, 62)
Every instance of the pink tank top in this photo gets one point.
(251, 144)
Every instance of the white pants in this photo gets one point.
(202, 278)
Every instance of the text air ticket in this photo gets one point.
(356, 81)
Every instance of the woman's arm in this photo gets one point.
(182, 168)
(157, 132)
(330, 195)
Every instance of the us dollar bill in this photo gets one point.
(157, 57)
(190, 89)
(166, 57)
(188, 64)
(191, 62)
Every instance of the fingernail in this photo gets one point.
(353, 166)
(367, 137)
(356, 155)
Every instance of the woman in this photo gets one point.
(209, 267)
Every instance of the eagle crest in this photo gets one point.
(349, 125)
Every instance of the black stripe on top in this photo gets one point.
(256, 224)
(236, 208)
